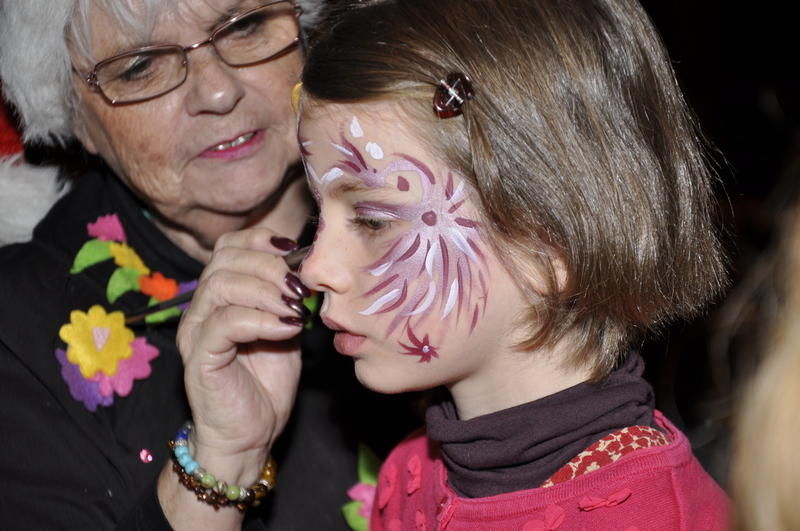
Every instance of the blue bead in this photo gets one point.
(181, 450)
(191, 467)
(184, 460)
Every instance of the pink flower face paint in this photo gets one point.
(405, 269)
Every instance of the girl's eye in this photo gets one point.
(370, 224)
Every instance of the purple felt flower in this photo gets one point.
(81, 389)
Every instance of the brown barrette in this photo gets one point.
(451, 94)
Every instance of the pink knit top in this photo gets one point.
(660, 488)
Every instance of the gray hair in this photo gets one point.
(35, 66)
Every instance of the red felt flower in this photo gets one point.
(158, 286)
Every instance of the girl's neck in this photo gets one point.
(513, 379)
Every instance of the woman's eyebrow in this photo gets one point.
(231, 11)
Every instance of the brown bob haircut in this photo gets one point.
(577, 143)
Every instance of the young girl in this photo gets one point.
(511, 193)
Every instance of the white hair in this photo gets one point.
(35, 66)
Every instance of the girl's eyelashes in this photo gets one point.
(374, 226)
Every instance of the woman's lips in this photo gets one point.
(237, 147)
(347, 343)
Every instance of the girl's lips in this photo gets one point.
(234, 148)
(347, 343)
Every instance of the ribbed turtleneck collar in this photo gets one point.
(521, 447)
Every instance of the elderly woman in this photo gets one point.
(187, 104)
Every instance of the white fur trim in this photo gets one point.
(26, 194)
(28, 69)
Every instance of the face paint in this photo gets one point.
(434, 267)
(402, 261)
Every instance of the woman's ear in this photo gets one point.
(82, 134)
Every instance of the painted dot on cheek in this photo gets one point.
(402, 184)
(429, 218)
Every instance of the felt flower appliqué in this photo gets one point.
(358, 512)
(97, 341)
(103, 356)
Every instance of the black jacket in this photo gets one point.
(65, 467)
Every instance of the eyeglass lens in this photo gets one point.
(150, 72)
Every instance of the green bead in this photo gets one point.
(232, 492)
(208, 481)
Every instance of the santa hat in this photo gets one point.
(26, 191)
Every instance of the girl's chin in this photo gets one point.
(383, 384)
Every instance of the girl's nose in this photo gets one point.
(325, 267)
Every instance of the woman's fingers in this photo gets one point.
(221, 331)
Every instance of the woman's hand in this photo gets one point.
(241, 353)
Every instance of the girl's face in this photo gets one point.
(413, 289)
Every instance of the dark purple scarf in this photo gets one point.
(521, 447)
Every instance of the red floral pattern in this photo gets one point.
(608, 450)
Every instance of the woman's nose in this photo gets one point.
(213, 86)
(324, 267)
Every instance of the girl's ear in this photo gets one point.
(543, 278)
(559, 265)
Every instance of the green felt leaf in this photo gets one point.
(93, 252)
(353, 519)
(312, 302)
(123, 280)
(368, 465)
(163, 315)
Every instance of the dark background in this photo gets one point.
(738, 63)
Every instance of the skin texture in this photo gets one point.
(417, 294)
(160, 148)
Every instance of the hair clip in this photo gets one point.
(296, 90)
(451, 94)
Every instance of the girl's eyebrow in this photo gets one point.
(348, 185)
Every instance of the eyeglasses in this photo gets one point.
(250, 38)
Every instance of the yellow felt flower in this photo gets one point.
(97, 341)
(125, 256)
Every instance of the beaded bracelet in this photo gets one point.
(211, 490)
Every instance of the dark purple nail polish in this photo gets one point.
(296, 305)
(284, 244)
(293, 282)
(294, 321)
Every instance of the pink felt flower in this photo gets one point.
(365, 493)
(107, 228)
(137, 367)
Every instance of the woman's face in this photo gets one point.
(176, 151)
(416, 294)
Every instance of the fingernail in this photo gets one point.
(284, 244)
(293, 282)
(294, 321)
(296, 305)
